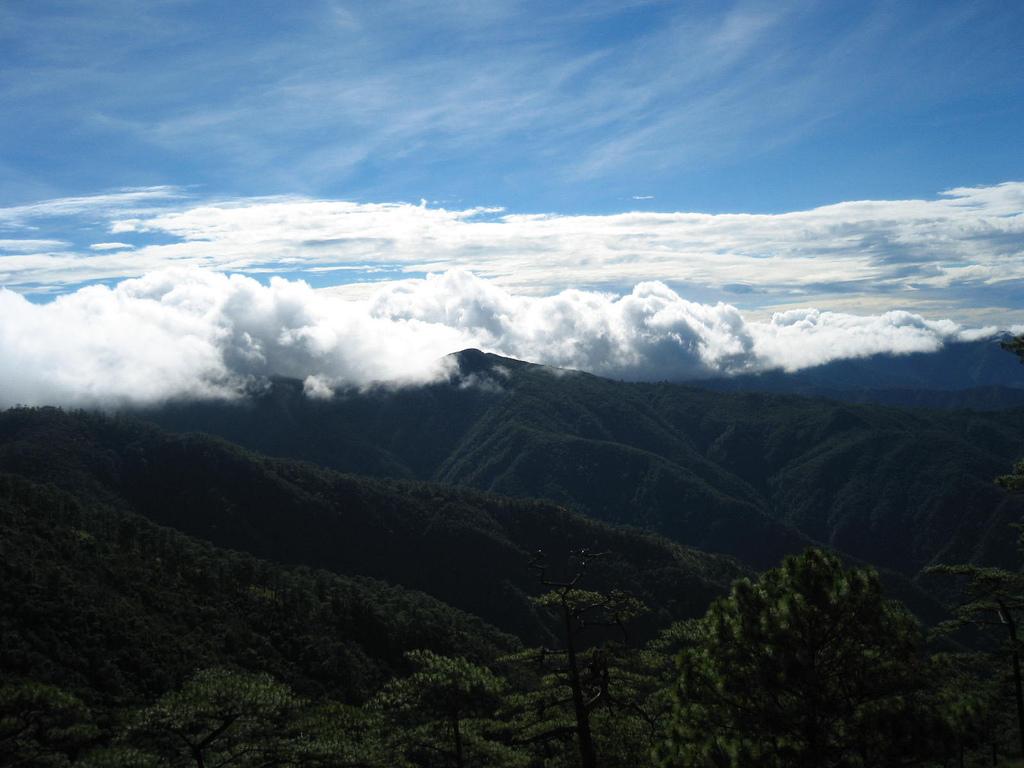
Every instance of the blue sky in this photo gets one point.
(193, 193)
(535, 107)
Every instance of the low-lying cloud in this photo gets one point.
(202, 334)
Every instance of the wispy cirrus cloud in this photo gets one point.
(522, 101)
(98, 207)
(28, 245)
(960, 254)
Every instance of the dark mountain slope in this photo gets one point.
(994, 398)
(899, 489)
(520, 430)
(468, 549)
(108, 604)
(575, 441)
(749, 474)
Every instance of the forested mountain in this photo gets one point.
(748, 474)
(168, 597)
(989, 398)
(277, 611)
(468, 549)
(127, 642)
(109, 605)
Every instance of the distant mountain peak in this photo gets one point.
(474, 360)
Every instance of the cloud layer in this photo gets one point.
(198, 334)
(960, 255)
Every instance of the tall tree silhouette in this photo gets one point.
(993, 599)
(581, 674)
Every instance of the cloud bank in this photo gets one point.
(191, 333)
(960, 255)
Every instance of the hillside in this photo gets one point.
(748, 474)
(109, 605)
(468, 549)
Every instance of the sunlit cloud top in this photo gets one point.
(190, 333)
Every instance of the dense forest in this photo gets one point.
(171, 598)
(464, 547)
(752, 475)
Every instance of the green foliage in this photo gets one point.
(222, 718)
(41, 725)
(628, 692)
(988, 593)
(442, 687)
(589, 607)
(993, 599)
(344, 736)
(1015, 480)
(968, 695)
(97, 597)
(225, 718)
(114, 607)
(120, 757)
(443, 713)
(807, 666)
(464, 548)
(587, 691)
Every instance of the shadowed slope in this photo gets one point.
(466, 548)
(748, 474)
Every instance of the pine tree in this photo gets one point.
(442, 713)
(587, 678)
(809, 665)
(993, 599)
(221, 718)
(966, 697)
(41, 725)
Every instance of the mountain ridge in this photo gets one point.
(468, 549)
(699, 466)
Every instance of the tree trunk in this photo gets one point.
(588, 757)
(1011, 627)
(456, 731)
(1018, 693)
